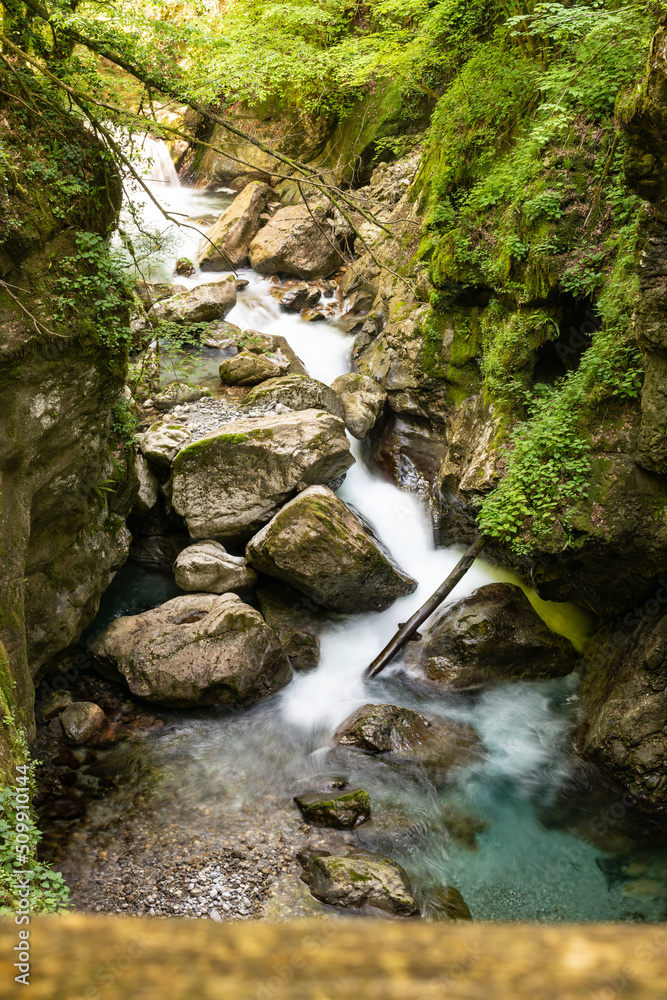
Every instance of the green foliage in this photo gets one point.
(48, 892)
(97, 276)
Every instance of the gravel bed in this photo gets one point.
(208, 414)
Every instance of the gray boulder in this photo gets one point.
(203, 304)
(163, 440)
(248, 369)
(493, 635)
(274, 347)
(234, 230)
(296, 621)
(299, 392)
(81, 721)
(195, 650)
(296, 242)
(360, 878)
(363, 401)
(440, 745)
(206, 567)
(316, 544)
(231, 482)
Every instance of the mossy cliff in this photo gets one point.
(61, 376)
(520, 338)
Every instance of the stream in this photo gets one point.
(540, 835)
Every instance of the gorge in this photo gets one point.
(379, 332)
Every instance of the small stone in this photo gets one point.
(340, 811)
(82, 720)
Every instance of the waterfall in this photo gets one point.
(162, 170)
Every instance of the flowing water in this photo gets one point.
(548, 839)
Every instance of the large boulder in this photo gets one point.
(299, 392)
(163, 440)
(440, 745)
(227, 241)
(493, 635)
(274, 347)
(195, 650)
(203, 304)
(247, 369)
(296, 241)
(231, 482)
(316, 544)
(358, 879)
(624, 694)
(296, 296)
(363, 401)
(296, 621)
(206, 567)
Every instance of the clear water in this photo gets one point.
(547, 847)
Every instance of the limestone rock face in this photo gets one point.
(360, 878)
(195, 650)
(437, 744)
(81, 721)
(624, 694)
(316, 544)
(234, 230)
(493, 635)
(363, 401)
(148, 485)
(203, 304)
(231, 482)
(247, 369)
(294, 242)
(343, 811)
(163, 440)
(206, 567)
(296, 621)
(299, 392)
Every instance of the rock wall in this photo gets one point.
(64, 480)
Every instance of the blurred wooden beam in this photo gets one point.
(116, 958)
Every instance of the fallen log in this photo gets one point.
(408, 629)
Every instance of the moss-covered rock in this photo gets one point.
(316, 544)
(624, 677)
(343, 811)
(231, 482)
(411, 737)
(493, 635)
(358, 879)
(246, 368)
(296, 621)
